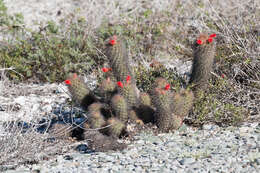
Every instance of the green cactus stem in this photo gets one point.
(119, 59)
(203, 58)
(120, 108)
(81, 94)
(115, 126)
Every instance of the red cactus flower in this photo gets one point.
(112, 41)
(67, 82)
(213, 35)
(167, 87)
(199, 42)
(128, 78)
(120, 84)
(104, 69)
(210, 39)
(223, 76)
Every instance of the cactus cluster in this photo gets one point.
(123, 102)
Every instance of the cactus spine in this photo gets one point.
(203, 57)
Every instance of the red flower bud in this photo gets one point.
(210, 39)
(213, 35)
(167, 87)
(128, 78)
(112, 41)
(104, 69)
(199, 42)
(223, 76)
(120, 84)
(67, 82)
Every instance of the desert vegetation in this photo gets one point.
(157, 34)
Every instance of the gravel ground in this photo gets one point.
(210, 149)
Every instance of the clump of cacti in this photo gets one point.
(119, 94)
(203, 58)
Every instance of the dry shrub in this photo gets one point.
(21, 142)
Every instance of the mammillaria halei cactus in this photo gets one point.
(119, 92)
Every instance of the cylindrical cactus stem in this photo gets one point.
(81, 94)
(115, 126)
(107, 89)
(182, 102)
(203, 58)
(177, 122)
(120, 108)
(118, 59)
(162, 101)
(95, 107)
(145, 110)
(96, 120)
(128, 91)
(145, 99)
